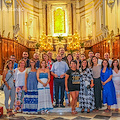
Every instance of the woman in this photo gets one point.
(72, 84)
(68, 61)
(31, 92)
(86, 95)
(20, 83)
(9, 88)
(96, 68)
(44, 98)
(109, 95)
(49, 66)
(116, 81)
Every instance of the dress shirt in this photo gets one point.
(59, 68)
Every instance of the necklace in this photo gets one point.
(43, 69)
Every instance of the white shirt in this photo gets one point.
(19, 77)
(99, 61)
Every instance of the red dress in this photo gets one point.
(49, 65)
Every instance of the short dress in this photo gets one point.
(73, 80)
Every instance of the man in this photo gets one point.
(58, 70)
(62, 52)
(12, 57)
(25, 58)
(90, 55)
(107, 57)
(50, 56)
(78, 60)
(98, 56)
(36, 57)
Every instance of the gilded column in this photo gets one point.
(40, 19)
(49, 17)
(44, 18)
(1, 17)
(74, 18)
(78, 17)
(69, 19)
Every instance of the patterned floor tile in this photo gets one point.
(102, 117)
(116, 114)
(38, 118)
(81, 118)
(59, 118)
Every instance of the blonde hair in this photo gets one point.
(20, 62)
(45, 54)
(7, 63)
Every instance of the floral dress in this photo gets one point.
(86, 94)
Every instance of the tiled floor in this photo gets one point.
(62, 114)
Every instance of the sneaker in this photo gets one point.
(56, 106)
(62, 106)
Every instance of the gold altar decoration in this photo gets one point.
(74, 45)
(59, 21)
(44, 45)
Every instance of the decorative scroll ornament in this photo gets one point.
(111, 3)
(8, 3)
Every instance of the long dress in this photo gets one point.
(31, 96)
(116, 81)
(86, 95)
(109, 95)
(44, 97)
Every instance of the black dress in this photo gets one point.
(73, 80)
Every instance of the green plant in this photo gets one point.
(82, 45)
(37, 45)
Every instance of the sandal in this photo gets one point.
(73, 112)
(107, 110)
(82, 111)
(42, 112)
(47, 111)
(88, 110)
(11, 113)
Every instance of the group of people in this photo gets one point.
(33, 85)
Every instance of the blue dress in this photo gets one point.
(31, 96)
(44, 97)
(109, 95)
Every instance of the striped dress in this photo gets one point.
(44, 97)
(31, 96)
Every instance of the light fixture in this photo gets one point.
(8, 3)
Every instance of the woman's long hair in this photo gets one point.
(6, 67)
(32, 59)
(92, 64)
(41, 63)
(108, 66)
(67, 59)
(86, 65)
(112, 66)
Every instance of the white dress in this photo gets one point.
(116, 81)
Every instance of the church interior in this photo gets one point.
(47, 25)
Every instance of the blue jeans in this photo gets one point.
(59, 82)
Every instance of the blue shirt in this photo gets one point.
(59, 68)
(15, 66)
(38, 64)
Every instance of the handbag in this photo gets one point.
(2, 86)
